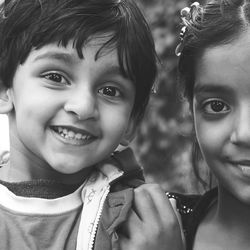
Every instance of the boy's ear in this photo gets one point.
(129, 134)
(6, 104)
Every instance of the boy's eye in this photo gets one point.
(55, 77)
(216, 107)
(109, 91)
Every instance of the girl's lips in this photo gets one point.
(245, 170)
(243, 165)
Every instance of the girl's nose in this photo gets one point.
(82, 104)
(241, 132)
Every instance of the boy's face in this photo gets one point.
(70, 113)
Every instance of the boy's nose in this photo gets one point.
(82, 104)
(241, 132)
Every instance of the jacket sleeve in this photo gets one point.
(133, 175)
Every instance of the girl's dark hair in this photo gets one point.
(218, 22)
(31, 24)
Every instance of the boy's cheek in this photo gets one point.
(129, 133)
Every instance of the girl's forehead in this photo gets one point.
(225, 65)
(231, 54)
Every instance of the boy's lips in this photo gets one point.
(74, 133)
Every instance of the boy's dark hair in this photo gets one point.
(28, 24)
(218, 22)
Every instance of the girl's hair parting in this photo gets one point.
(31, 24)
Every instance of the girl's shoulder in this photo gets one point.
(184, 202)
(192, 209)
(190, 203)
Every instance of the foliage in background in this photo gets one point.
(164, 141)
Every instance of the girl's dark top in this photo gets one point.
(193, 209)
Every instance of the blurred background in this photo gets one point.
(164, 142)
(163, 145)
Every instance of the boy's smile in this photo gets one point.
(73, 135)
(69, 113)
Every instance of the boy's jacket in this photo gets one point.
(114, 210)
(119, 201)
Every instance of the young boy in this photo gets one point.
(75, 76)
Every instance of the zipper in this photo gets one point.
(98, 217)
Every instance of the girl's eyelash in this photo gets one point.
(215, 106)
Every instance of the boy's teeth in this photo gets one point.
(71, 134)
(78, 136)
(68, 134)
(60, 130)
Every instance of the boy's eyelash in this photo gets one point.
(111, 91)
(58, 77)
(106, 90)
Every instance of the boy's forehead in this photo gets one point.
(67, 56)
(99, 39)
(69, 52)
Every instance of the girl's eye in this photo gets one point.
(109, 91)
(216, 107)
(55, 77)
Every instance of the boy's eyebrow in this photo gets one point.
(61, 56)
(114, 69)
(69, 58)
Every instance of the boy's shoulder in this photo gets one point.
(120, 199)
(132, 172)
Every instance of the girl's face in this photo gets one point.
(221, 110)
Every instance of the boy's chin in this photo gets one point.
(72, 176)
(69, 168)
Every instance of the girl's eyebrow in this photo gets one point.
(60, 56)
(211, 88)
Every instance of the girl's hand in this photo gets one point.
(152, 224)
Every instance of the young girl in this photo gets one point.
(214, 69)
